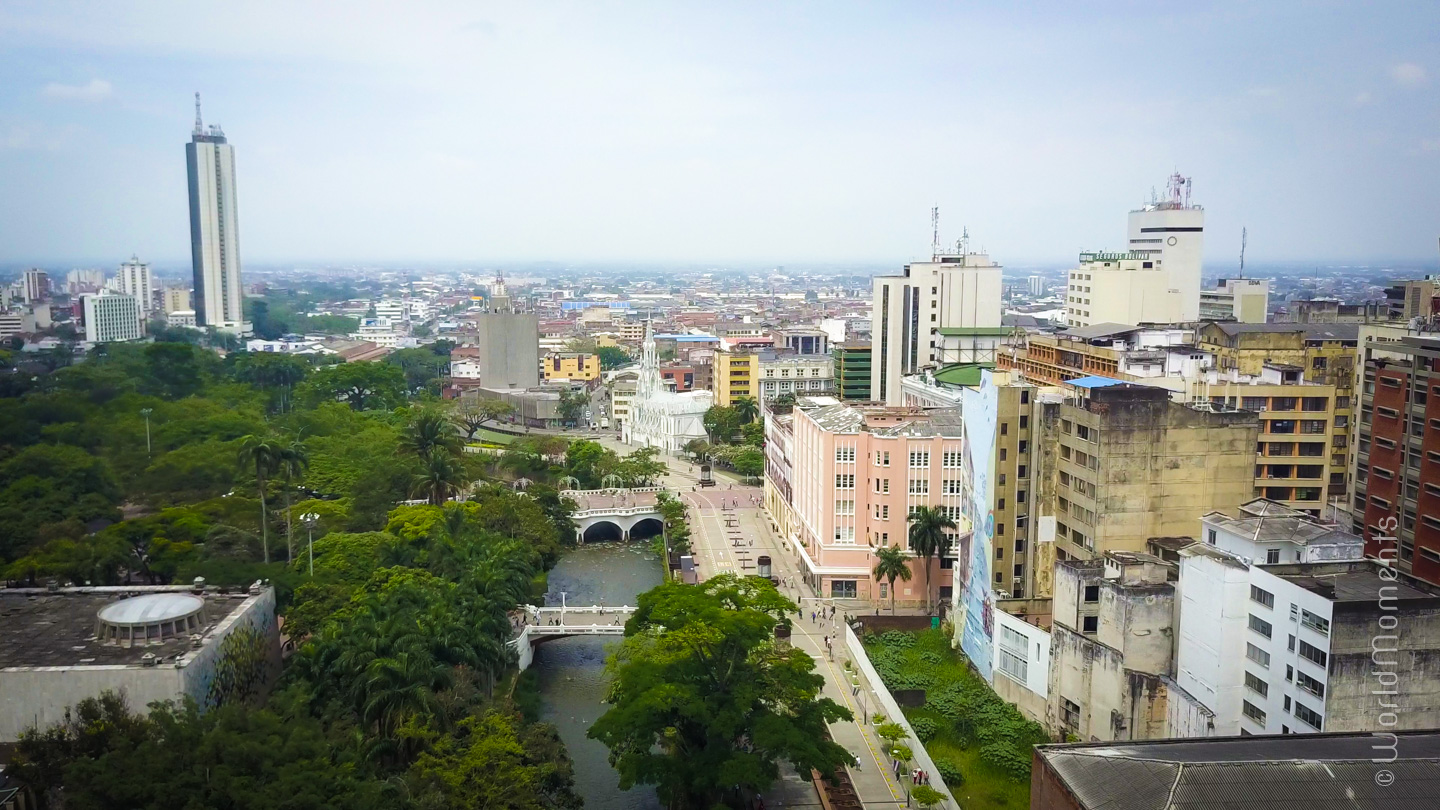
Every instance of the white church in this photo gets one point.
(660, 417)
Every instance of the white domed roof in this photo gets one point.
(151, 609)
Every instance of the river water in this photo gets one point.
(571, 671)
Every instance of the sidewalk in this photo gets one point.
(873, 780)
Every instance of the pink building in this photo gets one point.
(857, 471)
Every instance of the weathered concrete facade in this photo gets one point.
(1130, 465)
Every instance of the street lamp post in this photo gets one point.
(310, 519)
(145, 412)
(562, 608)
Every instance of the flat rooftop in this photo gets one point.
(1361, 583)
(40, 628)
(1285, 772)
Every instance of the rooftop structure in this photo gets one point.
(154, 642)
(1310, 772)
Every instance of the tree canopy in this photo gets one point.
(705, 704)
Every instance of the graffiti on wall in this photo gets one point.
(975, 616)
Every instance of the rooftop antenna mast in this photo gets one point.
(199, 127)
(935, 234)
(1244, 237)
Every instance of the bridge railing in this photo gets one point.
(616, 511)
(580, 493)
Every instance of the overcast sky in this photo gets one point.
(724, 131)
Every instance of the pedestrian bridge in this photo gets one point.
(623, 509)
(549, 623)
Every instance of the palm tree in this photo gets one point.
(929, 529)
(261, 453)
(747, 409)
(398, 687)
(428, 432)
(294, 460)
(891, 564)
(441, 475)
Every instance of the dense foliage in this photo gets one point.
(976, 739)
(154, 463)
(705, 704)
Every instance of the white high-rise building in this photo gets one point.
(1172, 231)
(111, 316)
(214, 228)
(952, 291)
(35, 285)
(133, 278)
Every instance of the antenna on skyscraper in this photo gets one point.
(1244, 237)
(199, 127)
(935, 234)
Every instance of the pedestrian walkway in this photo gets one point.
(715, 530)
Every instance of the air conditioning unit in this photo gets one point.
(148, 660)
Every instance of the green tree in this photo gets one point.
(929, 535)
(721, 422)
(704, 704)
(612, 357)
(746, 410)
(363, 385)
(429, 431)
(891, 564)
(573, 402)
(927, 796)
(641, 467)
(589, 462)
(491, 763)
(262, 455)
(293, 460)
(749, 462)
(474, 415)
(441, 476)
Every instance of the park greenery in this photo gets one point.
(981, 745)
(155, 463)
(737, 438)
(705, 704)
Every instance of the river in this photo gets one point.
(571, 671)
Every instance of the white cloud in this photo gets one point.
(1362, 98)
(96, 90)
(1408, 74)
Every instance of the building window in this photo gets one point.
(1256, 685)
(844, 480)
(1272, 556)
(1014, 666)
(1260, 626)
(1257, 655)
(1092, 594)
(1310, 685)
(845, 454)
(1257, 594)
(842, 588)
(1250, 711)
(1319, 624)
(1313, 654)
(951, 459)
(919, 459)
(1089, 624)
(845, 507)
(1070, 713)
(1309, 716)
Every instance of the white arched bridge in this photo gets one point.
(615, 512)
(549, 623)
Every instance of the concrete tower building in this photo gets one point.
(214, 228)
(1172, 231)
(951, 291)
(134, 279)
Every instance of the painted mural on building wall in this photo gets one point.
(975, 604)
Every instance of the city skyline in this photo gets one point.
(693, 135)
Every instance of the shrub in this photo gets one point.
(925, 728)
(950, 772)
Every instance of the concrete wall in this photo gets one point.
(509, 350)
(1361, 690)
(1091, 675)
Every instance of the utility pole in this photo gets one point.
(309, 519)
(145, 412)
